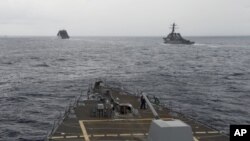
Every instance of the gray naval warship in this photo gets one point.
(176, 38)
(63, 34)
(111, 113)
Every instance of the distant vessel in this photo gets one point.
(62, 34)
(176, 38)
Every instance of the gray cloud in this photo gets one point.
(124, 17)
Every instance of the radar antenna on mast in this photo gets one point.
(173, 27)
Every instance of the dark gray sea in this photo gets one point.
(40, 76)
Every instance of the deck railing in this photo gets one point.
(68, 110)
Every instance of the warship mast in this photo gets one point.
(173, 27)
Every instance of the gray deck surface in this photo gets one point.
(85, 125)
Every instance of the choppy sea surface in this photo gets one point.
(39, 76)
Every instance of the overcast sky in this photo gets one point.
(124, 17)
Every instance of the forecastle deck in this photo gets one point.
(85, 122)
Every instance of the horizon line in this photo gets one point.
(124, 35)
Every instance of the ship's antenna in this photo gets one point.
(173, 27)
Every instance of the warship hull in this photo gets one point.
(90, 118)
(185, 42)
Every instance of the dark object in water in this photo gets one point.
(63, 34)
(176, 38)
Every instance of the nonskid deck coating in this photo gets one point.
(82, 126)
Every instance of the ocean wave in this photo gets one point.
(7, 63)
(16, 99)
(62, 59)
(9, 133)
(41, 65)
(35, 58)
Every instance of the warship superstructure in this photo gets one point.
(108, 113)
(62, 34)
(176, 38)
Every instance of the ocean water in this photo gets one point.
(40, 76)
